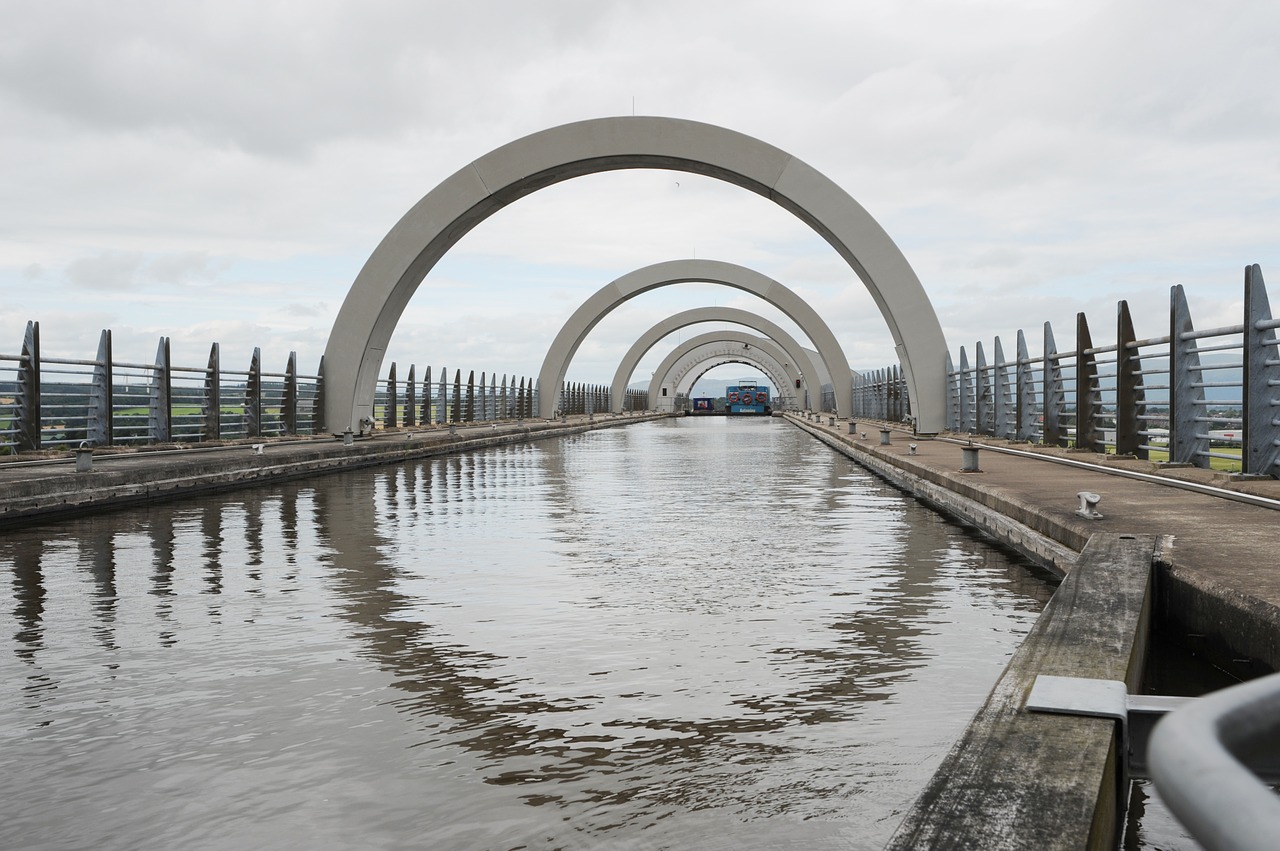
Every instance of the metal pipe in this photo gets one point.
(1195, 487)
(1195, 762)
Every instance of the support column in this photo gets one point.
(101, 395)
(160, 411)
(27, 403)
(1261, 380)
(1186, 390)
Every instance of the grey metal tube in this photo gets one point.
(1196, 764)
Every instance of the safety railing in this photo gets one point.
(878, 394)
(1205, 758)
(1208, 397)
(50, 403)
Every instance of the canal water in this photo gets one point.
(699, 633)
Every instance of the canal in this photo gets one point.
(701, 633)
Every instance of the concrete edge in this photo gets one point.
(1023, 780)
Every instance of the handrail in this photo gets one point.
(1196, 764)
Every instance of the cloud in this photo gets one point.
(203, 168)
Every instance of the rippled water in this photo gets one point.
(687, 634)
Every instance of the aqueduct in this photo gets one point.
(393, 272)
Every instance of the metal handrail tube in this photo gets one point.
(1224, 347)
(1266, 324)
(1150, 341)
(1212, 332)
(1206, 367)
(1195, 762)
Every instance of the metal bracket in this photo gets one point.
(1137, 713)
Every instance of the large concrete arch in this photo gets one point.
(814, 370)
(642, 280)
(382, 289)
(725, 343)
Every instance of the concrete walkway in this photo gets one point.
(1218, 569)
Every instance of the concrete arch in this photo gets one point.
(382, 289)
(736, 344)
(813, 369)
(709, 357)
(642, 280)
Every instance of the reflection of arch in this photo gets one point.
(737, 345)
(642, 280)
(813, 368)
(412, 247)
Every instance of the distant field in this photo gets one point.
(1223, 465)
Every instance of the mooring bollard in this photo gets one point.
(853, 427)
(348, 438)
(84, 458)
(884, 436)
(970, 465)
(911, 448)
(831, 421)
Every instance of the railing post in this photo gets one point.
(211, 405)
(1186, 396)
(953, 402)
(101, 407)
(27, 403)
(425, 419)
(455, 412)
(393, 388)
(1001, 395)
(471, 397)
(532, 404)
(442, 414)
(289, 400)
(484, 402)
(1053, 392)
(1024, 392)
(253, 396)
(160, 411)
(411, 399)
(319, 424)
(1087, 390)
(1129, 395)
(981, 391)
(1261, 380)
(966, 394)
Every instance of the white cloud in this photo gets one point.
(225, 168)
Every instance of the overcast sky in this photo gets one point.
(221, 171)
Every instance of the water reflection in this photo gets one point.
(740, 644)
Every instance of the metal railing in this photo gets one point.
(51, 403)
(1207, 397)
(879, 394)
(1203, 758)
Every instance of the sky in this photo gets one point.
(219, 172)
